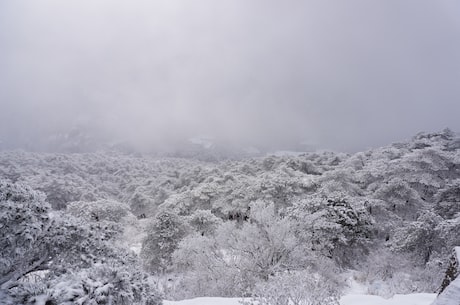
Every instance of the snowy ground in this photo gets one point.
(399, 299)
(350, 299)
(356, 294)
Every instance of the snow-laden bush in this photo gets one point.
(41, 250)
(296, 288)
(24, 225)
(448, 200)
(104, 284)
(231, 261)
(204, 222)
(163, 236)
(336, 227)
(100, 210)
(108, 283)
(386, 273)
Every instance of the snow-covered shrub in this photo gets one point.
(163, 235)
(238, 255)
(100, 210)
(401, 198)
(206, 269)
(104, 284)
(140, 203)
(446, 235)
(40, 248)
(336, 227)
(448, 200)
(24, 223)
(204, 222)
(387, 273)
(261, 246)
(296, 288)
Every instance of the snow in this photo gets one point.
(354, 287)
(350, 299)
(356, 294)
(206, 301)
(457, 252)
(399, 299)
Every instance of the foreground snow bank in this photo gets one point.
(350, 299)
(205, 301)
(399, 299)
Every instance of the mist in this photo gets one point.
(342, 75)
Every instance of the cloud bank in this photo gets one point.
(342, 75)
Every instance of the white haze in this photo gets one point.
(343, 75)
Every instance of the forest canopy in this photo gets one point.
(115, 227)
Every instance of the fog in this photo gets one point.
(342, 75)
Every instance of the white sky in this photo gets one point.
(344, 75)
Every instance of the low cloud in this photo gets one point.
(342, 75)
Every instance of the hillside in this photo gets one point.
(248, 227)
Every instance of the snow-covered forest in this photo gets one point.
(118, 228)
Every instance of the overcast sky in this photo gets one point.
(343, 75)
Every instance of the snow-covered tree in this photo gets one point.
(24, 224)
(261, 246)
(204, 222)
(400, 197)
(41, 248)
(448, 200)
(335, 227)
(304, 287)
(163, 235)
(100, 210)
(238, 255)
(104, 284)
